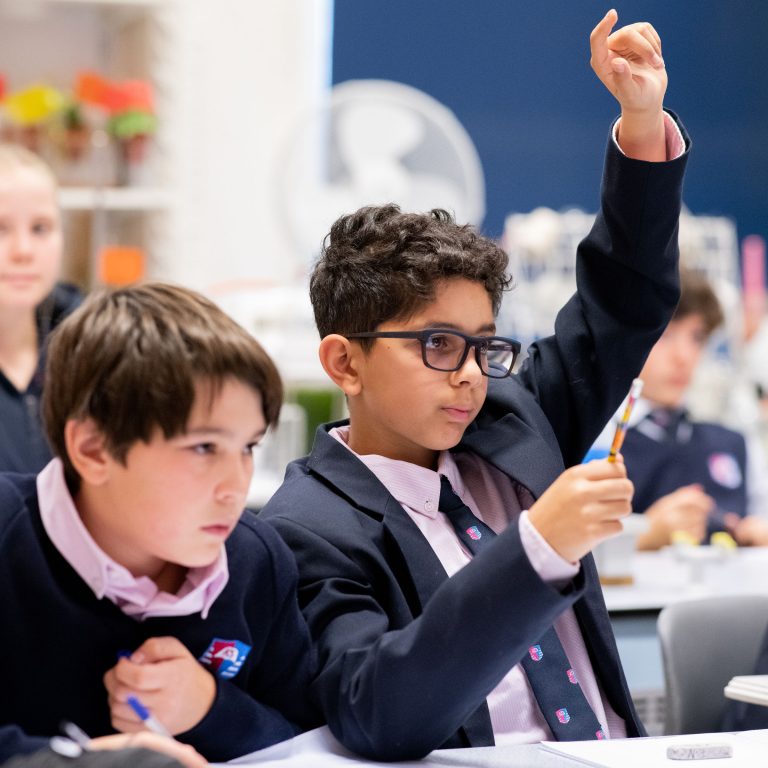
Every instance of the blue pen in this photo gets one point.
(149, 720)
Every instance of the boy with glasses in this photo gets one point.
(443, 546)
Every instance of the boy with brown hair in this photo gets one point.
(691, 476)
(443, 533)
(129, 572)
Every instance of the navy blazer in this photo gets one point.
(408, 655)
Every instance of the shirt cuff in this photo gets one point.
(545, 561)
(672, 135)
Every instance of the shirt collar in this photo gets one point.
(415, 487)
(137, 597)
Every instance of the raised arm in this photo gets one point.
(629, 64)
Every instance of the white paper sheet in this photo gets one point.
(750, 748)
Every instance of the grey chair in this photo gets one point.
(704, 643)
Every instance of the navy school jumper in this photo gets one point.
(58, 639)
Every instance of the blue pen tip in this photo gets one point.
(138, 707)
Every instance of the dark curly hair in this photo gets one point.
(380, 264)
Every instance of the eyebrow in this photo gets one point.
(204, 430)
(488, 327)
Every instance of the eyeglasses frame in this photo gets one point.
(469, 341)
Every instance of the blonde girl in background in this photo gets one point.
(32, 302)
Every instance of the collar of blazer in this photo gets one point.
(335, 465)
(513, 433)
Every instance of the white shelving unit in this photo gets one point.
(232, 78)
(138, 199)
(51, 41)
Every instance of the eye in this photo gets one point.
(204, 449)
(42, 227)
(438, 342)
(249, 449)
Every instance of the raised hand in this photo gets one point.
(167, 679)
(630, 65)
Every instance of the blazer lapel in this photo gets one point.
(339, 467)
(511, 444)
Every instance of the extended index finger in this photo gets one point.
(598, 39)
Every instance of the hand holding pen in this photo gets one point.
(160, 685)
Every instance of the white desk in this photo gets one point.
(661, 578)
(318, 749)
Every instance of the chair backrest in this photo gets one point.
(704, 643)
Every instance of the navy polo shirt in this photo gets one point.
(23, 445)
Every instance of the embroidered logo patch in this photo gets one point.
(474, 533)
(562, 715)
(724, 469)
(225, 657)
(536, 653)
(572, 676)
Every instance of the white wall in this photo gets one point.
(240, 73)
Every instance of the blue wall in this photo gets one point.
(517, 75)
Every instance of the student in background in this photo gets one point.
(691, 476)
(126, 566)
(31, 302)
(430, 629)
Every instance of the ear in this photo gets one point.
(340, 359)
(86, 448)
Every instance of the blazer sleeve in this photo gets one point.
(397, 693)
(627, 288)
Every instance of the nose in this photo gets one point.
(470, 371)
(21, 245)
(236, 479)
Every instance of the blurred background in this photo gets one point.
(213, 143)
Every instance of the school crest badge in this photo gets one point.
(225, 657)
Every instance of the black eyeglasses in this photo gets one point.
(444, 350)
